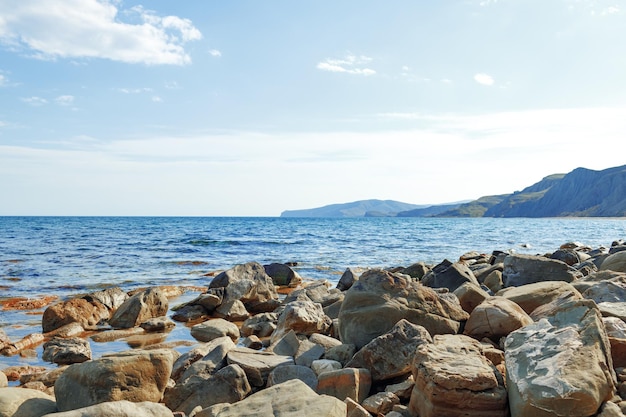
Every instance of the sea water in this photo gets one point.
(65, 256)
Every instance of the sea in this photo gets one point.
(67, 256)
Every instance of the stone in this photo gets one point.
(66, 351)
(261, 325)
(139, 308)
(69, 330)
(569, 256)
(333, 310)
(79, 310)
(402, 389)
(348, 278)
(496, 317)
(284, 373)
(287, 345)
(379, 299)
(380, 403)
(531, 296)
(317, 292)
(528, 269)
(292, 398)
(303, 317)
(355, 409)
(25, 402)
(470, 295)
(232, 310)
(613, 291)
(158, 324)
(189, 313)
(133, 375)
(449, 275)
(257, 365)
(4, 381)
(320, 366)
(342, 353)
(283, 275)
(560, 365)
(118, 409)
(112, 298)
(610, 409)
(210, 301)
(391, 355)
(493, 281)
(348, 382)
(212, 361)
(326, 341)
(227, 385)
(453, 378)
(252, 342)
(614, 262)
(214, 328)
(27, 342)
(308, 352)
(417, 270)
(248, 283)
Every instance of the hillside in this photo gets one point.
(362, 208)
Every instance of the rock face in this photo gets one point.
(560, 365)
(391, 354)
(289, 399)
(133, 376)
(453, 378)
(75, 310)
(139, 308)
(379, 299)
(250, 284)
(528, 269)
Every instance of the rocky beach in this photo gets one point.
(488, 334)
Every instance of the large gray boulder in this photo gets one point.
(139, 308)
(449, 275)
(379, 299)
(132, 375)
(560, 365)
(528, 269)
(391, 354)
(250, 284)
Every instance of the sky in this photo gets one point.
(249, 108)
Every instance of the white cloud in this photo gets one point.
(35, 101)
(65, 100)
(3, 80)
(135, 90)
(216, 53)
(350, 64)
(484, 79)
(157, 99)
(53, 29)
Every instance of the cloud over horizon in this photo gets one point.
(350, 64)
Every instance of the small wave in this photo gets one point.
(211, 242)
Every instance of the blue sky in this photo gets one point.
(254, 107)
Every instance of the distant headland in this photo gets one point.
(581, 193)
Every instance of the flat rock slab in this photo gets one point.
(257, 365)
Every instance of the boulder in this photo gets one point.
(613, 291)
(25, 402)
(212, 361)
(227, 385)
(380, 403)
(292, 398)
(560, 365)
(308, 352)
(493, 281)
(261, 325)
(453, 378)
(139, 308)
(391, 355)
(283, 275)
(342, 353)
(118, 409)
(214, 328)
(158, 324)
(470, 295)
(496, 317)
(285, 373)
(232, 310)
(354, 383)
(379, 299)
(449, 275)
(133, 375)
(529, 269)
(317, 292)
(325, 365)
(257, 365)
(75, 310)
(569, 256)
(112, 298)
(303, 317)
(348, 278)
(417, 270)
(250, 284)
(614, 262)
(189, 313)
(66, 351)
(531, 296)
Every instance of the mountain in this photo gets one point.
(362, 208)
(580, 193)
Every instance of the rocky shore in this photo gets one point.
(497, 334)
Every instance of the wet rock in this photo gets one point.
(380, 299)
(283, 275)
(133, 375)
(391, 355)
(158, 324)
(139, 308)
(452, 377)
(190, 313)
(66, 351)
(77, 310)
